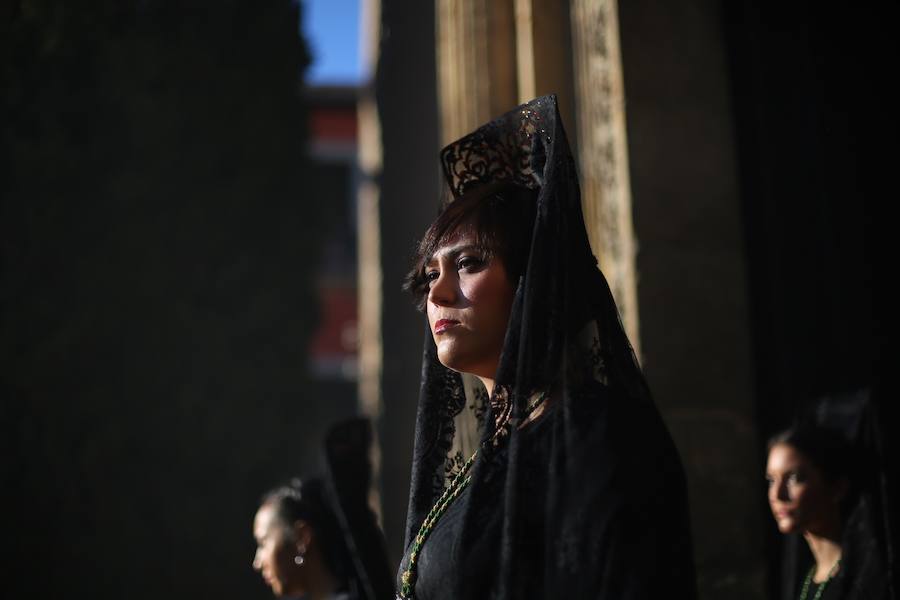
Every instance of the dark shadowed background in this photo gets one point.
(178, 244)
(161, 232)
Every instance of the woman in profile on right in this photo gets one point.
(817, 490)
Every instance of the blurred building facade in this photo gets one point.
(332, 149)
(728, 180)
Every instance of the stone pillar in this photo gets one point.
(368, 224)
(695, 322)
(476, 63)
(369, 237)
(603, 151)
(544, 53)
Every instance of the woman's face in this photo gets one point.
(800, 497)
(275, 551)
(468, 305)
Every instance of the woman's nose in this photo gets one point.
(257, 563)
(778, 492)
(784, 494)
(444, 290)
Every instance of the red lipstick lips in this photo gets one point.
(443, 325)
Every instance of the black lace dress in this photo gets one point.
(440, 566)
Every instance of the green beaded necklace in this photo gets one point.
(457, 485)
(805, 590)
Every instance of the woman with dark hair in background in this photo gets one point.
(318, 538)
(824, 488)
(541, 468)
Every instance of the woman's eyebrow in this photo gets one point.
(452, 253)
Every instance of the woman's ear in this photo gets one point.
(303, 534)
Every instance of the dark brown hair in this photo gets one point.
(501, 221)
(825, 448)
(307, 500)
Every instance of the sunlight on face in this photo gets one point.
(468, 306)
(275, 551)
(800, 498)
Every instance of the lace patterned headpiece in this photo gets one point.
(510, 149)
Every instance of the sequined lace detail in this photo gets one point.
(511, 149)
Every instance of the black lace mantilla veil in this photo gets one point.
(597, 507)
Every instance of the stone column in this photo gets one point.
(369, 238)
(475, 63)
(544, 53)
(368, 225)
(603, 151)
(695, 323)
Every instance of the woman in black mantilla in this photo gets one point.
(828, 491)
(318, 538)
(541, 468)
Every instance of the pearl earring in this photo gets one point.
(299, 560)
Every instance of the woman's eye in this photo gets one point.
(469, 263)
(431, 276)
(793, 478)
